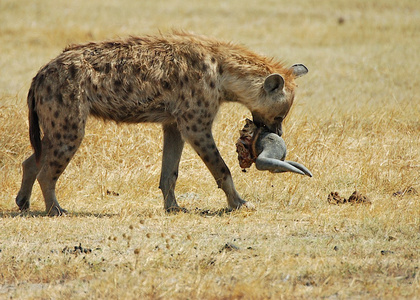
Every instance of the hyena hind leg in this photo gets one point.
(30, 172)
(173, 145)
(59, 153)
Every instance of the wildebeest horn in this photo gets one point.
(300, 167)
(279, 166)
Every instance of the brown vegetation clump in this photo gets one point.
(407, 191)
(355, 198)
(335, 198)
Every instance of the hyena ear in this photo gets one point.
(299, 70)
(273, 82)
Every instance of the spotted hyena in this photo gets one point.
(179, 80)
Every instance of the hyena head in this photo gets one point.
(276, 99)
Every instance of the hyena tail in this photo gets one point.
(34, 130)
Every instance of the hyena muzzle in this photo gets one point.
(179, 80)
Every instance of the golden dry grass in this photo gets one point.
(355, 124)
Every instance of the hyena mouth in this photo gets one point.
(278, 131)
(272, 129)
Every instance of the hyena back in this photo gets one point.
(179, 80)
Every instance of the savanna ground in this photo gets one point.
(355, 124)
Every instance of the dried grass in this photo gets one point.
(355, 125)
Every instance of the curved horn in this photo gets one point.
(300, 167)
(276, 166)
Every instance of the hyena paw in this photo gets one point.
(242, 205)
(56, 211)
(22, 202)
(176, 209)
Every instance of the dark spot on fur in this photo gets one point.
(166, 85)
(220, 69)
(199, 102)
(73, 71)
(52, 124)
(56, 114)
(129, 89)
(58, 136)
(107, 68)
(197, 76)
(55, 178)
(208, 135)
(98, 68)
(72, 96)
(186, 79)
(54, 163)
(223, 170)
(206, 158)
(212, 85)
(197, 143)
(192, 92)
(74, 126)
(136, 69)
(194, 128)
(65, 127)
(39, 79)
(49, 89)
(194, 61)
(190, 116)
(213, 60)
(55, 152)
(60, 98)
(204, 67)
(188, 128)
(117, 82)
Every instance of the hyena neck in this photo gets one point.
(244, 74)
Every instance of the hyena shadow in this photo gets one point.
(41, 214)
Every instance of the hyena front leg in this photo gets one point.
(203, 143)
(172, 150)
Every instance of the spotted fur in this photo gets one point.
(179, 80)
